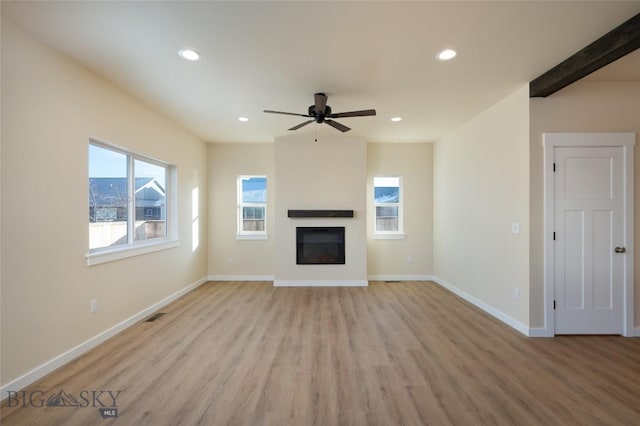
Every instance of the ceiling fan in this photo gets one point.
(320, 112)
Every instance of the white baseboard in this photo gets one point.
(316, 283)
(539, 332)
(240, 277)
(62, 359)
(522, 328)
(400, 277)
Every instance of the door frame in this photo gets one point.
(626, 141)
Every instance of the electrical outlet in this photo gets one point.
(93, 305)
(232, 259)
(409, 259)
(516, 294)
(515, 228)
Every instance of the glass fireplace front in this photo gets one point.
(320, 245)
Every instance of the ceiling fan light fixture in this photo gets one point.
(189, 54)
(243, 119)
(446, 54)
(396, 119)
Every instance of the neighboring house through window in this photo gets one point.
(387, 201)
(252, 207)
(127, 198)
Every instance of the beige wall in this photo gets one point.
(582, 107)
(481, 187)
(414, 163)
(51, 106)
(328, 174)
(254, 259)
(251, 258)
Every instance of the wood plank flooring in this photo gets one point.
(391, 354)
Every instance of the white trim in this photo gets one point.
(252, 237)
(68, 356)
(241, 205)
(396, 236)
(400, 278)
(552, 140)
(548, 205)
(588, 139)
(317, 283)
(512, 322)
(538, 332)
(109, 255)
(629, 306)
(637, 331)
(240, 277)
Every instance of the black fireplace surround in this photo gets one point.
(320, 245)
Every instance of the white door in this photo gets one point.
(589, 240)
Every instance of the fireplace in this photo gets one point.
(320, 245)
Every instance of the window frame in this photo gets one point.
(241, 234)
(135, 247)
(399, 233)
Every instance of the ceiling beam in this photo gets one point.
(615, 44)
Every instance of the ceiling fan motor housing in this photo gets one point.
(319, 116)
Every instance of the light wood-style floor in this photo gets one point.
(390, 354)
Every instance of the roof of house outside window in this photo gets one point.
(112, 192)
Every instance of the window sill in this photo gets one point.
(389, 236)
(109, 255)
(254, 237)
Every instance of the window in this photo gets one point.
(127, 199)
(252, 206)
(387, 203)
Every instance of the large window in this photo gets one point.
(127, 198)
(252, 206)
(387, 205)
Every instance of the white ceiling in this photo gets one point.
(276, 55)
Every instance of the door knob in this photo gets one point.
(620, 250)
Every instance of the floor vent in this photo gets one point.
(393, 281)
(155, 316)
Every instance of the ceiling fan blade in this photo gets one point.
(287, 113)
(301, 124)
(337, 125)
(362, 113)
(321, 102)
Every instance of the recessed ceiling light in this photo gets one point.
(188, 54)
(243, 119)
(446, 54)
(396, 119)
